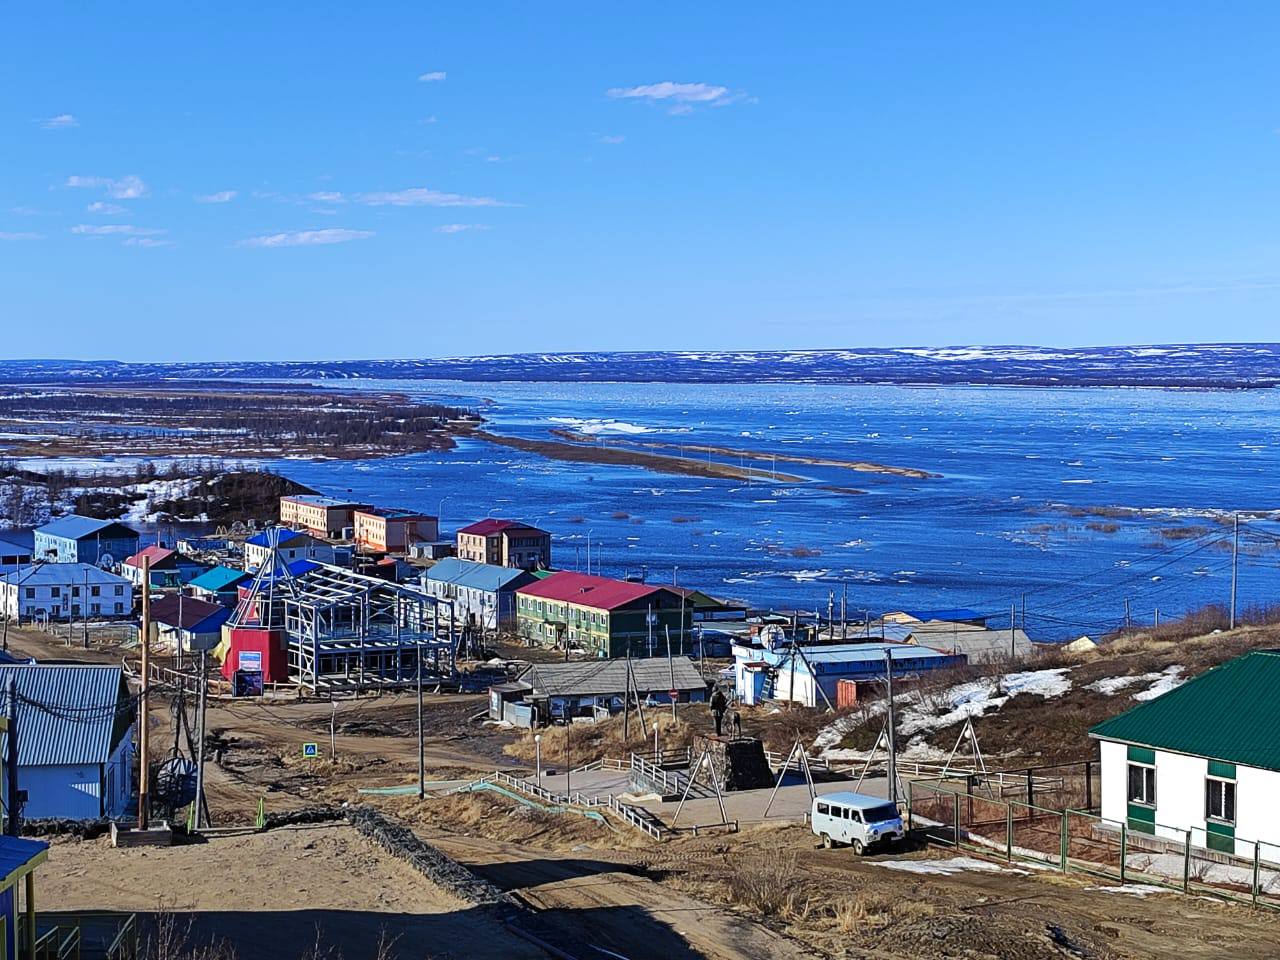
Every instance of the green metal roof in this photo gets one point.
(1227, 713)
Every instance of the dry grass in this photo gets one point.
(587, 742)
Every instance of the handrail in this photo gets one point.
(125, 944)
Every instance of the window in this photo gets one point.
(1142, 784)
(55, 591)
(31, 593)
(823, 808)
(119, 608)
(95, 591)
(1220, 800)
(119, 591)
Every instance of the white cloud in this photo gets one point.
(147, 242)
(327, 196)
(124, 188)
(435, 76)
(62, 121)
(612, 138)
(101, 206)
(430, 119)
(115, 230)
(306, 238)
(222, 196)
(461, 227)
(15, 236)
(424, 197)
(680, 98)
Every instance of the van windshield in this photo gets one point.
(886, 811)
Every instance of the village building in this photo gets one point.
(218, 585)
(56, 591)
(325, 517)
(819, 675)
(75, 740)
(604, 617)
(945, 615)
(76, 539)
(19, 928)
(505, 543)
(708, 609)
(186, 624)
(291, 545)
(169, 569)
(978, 643)
(484, 594)
(15, 550)
(393, 531)
(559, 691)
(1201, 762)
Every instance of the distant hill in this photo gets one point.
(1229, 365)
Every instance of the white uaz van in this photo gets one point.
(856, 819)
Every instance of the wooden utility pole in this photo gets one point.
(1013, 637)
(671, 667)
(201, 813)
(144, 738)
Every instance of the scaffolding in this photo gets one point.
(348, 632)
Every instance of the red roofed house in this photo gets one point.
(505, 543)
(169, 569)
(602, 616)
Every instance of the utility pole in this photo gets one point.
(333, 731)
(1128, 624)
(1013, 637)
(204, 701)
(84, 599)
(422, 756)
(893, 747)
(14, 825)
(144, 736)
(1235, 556)
(1157, 626)
(671, 667)
(626, 701)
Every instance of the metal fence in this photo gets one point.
(1080, 841)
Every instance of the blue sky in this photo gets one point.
(222, 181)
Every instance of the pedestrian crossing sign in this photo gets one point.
(310, 751)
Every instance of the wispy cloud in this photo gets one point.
(680, 98)
(306, 238)
(147, 242)
(63, 121)
(435, 76)
(222, 196)
(424, 197)
(327, 196)
(122, 188)
(115, 230)
(612, 138)
(13, 236)
(461, 227)
(101, 206)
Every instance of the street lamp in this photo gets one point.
(589, 553)
(537, 753)
(657, 753)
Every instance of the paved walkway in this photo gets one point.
(748, 806)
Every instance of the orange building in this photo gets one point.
(392, 531)
(505, 543)
(320, 516)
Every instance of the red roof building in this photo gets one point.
(603, 617)
(505, 543)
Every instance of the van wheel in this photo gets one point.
(827, 842)
(857, 848)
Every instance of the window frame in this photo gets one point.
(1149, 797)
(1224, 783)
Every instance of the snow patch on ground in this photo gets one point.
(945, 868)
(1171, 678)
(1133, 889)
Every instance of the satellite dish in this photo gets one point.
(176, 783)
(106, 561)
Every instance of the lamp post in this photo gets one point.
(657, 753)
(537, 753)
(589, 553)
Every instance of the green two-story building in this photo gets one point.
(604, 617)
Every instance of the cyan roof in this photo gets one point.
(478, 576)
(219, 578)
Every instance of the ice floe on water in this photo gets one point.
(594, 426)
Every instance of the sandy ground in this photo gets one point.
(273, 895)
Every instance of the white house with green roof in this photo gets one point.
(1204, 758)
